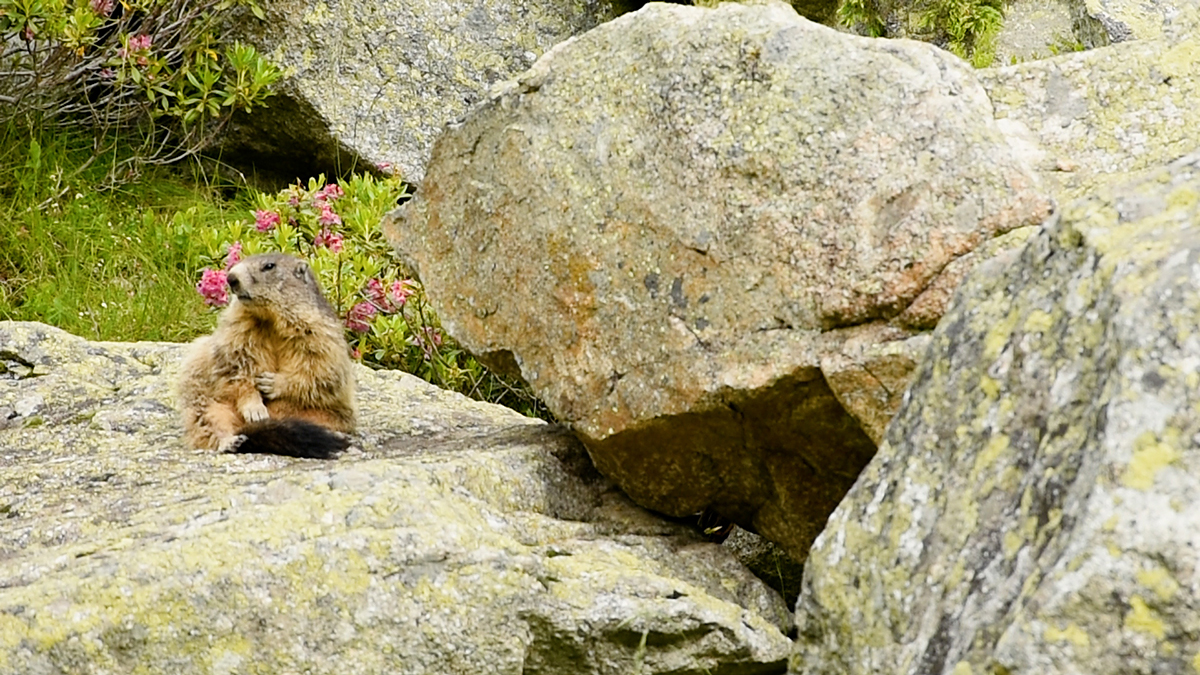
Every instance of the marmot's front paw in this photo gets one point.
(255, 411)
(267, 384)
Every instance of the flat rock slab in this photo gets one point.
(673, 224)
(1033, 507)
(459, 537)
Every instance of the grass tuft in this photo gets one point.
(106, 264)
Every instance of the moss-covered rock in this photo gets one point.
(1033, 506)
(459, 537)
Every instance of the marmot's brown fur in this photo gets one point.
(275, 376)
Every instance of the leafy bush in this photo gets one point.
(388, 322)
(968, 28)
(861, 15)
(162, 71)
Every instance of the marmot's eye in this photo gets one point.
(268, 267)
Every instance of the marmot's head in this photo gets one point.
(279, 287)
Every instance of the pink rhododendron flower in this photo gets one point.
(375, 294)
(399, 292)
(135, 44)
(329, 193)
(358, 319)
(234, 256)
(213, 287)
(265, 220)
(328, 217)
(102, 7)
(330, 240)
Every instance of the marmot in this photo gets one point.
(275, 377)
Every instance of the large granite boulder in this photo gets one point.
(671, 224)
(460, 538)
(1103, 116)
(1033, 508)
(370, 84)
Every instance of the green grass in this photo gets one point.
(106, 264)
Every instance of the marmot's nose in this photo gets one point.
(234, 283)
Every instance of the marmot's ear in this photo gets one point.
(302, 272)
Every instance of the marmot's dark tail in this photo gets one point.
(292, 438)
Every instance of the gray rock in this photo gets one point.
(1034, 29)
(768, 561)
(374, 83)
(1033, 507)
(1103, 22)
(459, 537)
(669, 222)
(1103, 116)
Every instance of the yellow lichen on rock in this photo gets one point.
(1071, 633)
(1150, 455)
(1142, 619)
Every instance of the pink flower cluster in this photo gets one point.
(323, 201)
(327, 217)
(213, 287)
(102, 7)
(379, 301)
(265, 221)
(137, 45)
(329, 239)
(330, 193)
(234, 256)
(358, 319)
(214, 284)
